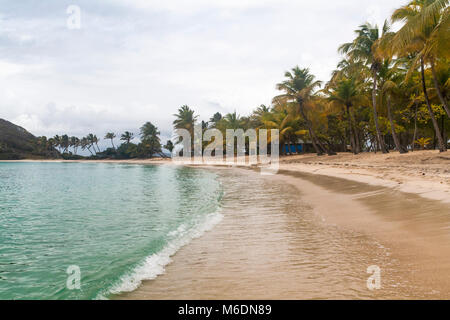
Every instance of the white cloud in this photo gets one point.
(138, 60)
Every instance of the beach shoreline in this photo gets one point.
(398, 201)
(425, 173)
(373, 212)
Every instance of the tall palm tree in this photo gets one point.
(92, 139)
(424, 35)
(346, 93)
(111, 136)
(363, 49)
(74, 143)
(426, 25)
(65, 143)
(299, 87)
(57, 142)
(150, 139)
(127, 137)
(185, 119)
(86, 144)
(215, 119)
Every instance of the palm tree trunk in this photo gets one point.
(439, 93)
(350, 128)
(442, 146)
(394, 133)
(415, 129)
(310, 130)
(112, 142)
(375, 114)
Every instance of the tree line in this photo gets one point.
(390, 91)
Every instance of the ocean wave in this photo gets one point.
(154, 265)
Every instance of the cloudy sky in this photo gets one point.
(139, 60)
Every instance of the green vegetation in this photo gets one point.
(17, 143)
(389, 92)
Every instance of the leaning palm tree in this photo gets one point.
(86, 144)
(92, 139)
(363, 49)
(111, 136)
(74, 143)
(58, 142)
(299, 88)
(127, 137)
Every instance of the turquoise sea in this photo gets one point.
(118, 223)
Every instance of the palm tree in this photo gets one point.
(86, 144)
(150, 139)
(423, 35)
(111, 136)
(185, 119)
(232, 121)
(280, 119)
(92, 139)
(388, 88)
(363, 49)
(127, 137)
(427, 24)
(346, 93)
(299, 88)
(215, 119)
(169, 146)
(74, 143)
(57, 142)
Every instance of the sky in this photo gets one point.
(132, 61)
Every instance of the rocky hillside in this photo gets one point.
(18, 143)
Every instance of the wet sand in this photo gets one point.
(302, 236)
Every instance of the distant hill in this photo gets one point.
(18, 143)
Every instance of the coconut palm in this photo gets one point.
(426, 28)
(86, 144)
(215, 119)
(363, 49)
(127, 137)
(111, 136)
(299, 88)
(74, 143)
(150, 139)
(169, 146)
(425, 35)
(346, 93)
(92, 139)
(185, 119)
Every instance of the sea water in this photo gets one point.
(117, 224)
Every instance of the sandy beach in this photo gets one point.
(399, 204)
(387, 210)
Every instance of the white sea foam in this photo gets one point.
(154, 265)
